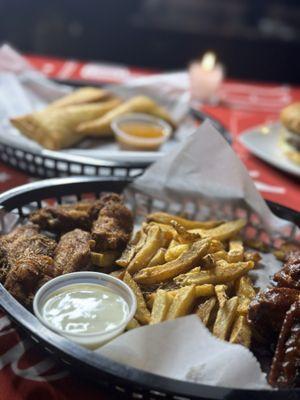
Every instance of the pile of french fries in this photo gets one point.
(176, 267)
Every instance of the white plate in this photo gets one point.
(262, 141)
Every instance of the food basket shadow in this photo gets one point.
(128, 382)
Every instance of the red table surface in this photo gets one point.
(25, 372)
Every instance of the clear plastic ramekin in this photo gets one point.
(131, 142)
(89, 340)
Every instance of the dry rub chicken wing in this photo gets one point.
(63, 218)
(113, 227)
(73, 252)
(66, 217)
(27, 275)
(22, 242)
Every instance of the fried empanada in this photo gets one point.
(140, 104)
(55, 128)
(83, 95)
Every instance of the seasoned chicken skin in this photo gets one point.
(63, 218)
(73, 252)
(113, 227)
(27, 275)
(23, 242)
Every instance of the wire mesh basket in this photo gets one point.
(127, 382)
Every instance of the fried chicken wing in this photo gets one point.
(23, 241)
(285, 367)
(113, 227)
(267, 311)
(27, 275)
(64, 218)
(73, 252)
(289, 275)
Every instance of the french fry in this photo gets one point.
(245, 292)
(165, 218)
(222, 232)
(210, 260)
(200, 291)
(215, 246)
(118, 274)
(252, 256)
(153, 243)
(132, 248)
(257, 244)
(173, 243)
(222, 297)
(104, 260)
(175, 251)
(161, 305)
(158, 258)
(241, 332)
(182, 303)
(169, 231)
(236, 251)
(184, 236)
(225, 318)
(142, 312)
(222, 273)
(205, 310)
(132, 324)
(183, 263)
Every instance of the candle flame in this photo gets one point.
(208, 61)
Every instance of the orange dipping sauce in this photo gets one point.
(142, 129)
(141, 132)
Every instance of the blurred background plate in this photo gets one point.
(263, 141)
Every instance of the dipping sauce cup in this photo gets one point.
(140, 132)
(89, 308)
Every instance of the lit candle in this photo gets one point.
(205, 78)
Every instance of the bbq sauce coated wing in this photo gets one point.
(285, 367)
(289, 275)
(267, 311)
(23, 242)
(73, 252)
(113, 227)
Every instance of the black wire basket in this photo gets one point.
(51, 164)
(127, 382)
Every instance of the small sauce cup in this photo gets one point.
(91, 340)
(140, 132)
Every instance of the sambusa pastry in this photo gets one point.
(140, 104)
(81, 96)
(290, 137)
(55, 128)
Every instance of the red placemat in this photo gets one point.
(26, 372)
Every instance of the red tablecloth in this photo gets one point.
(25, 372)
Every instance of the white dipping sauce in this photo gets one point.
(85, 308)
